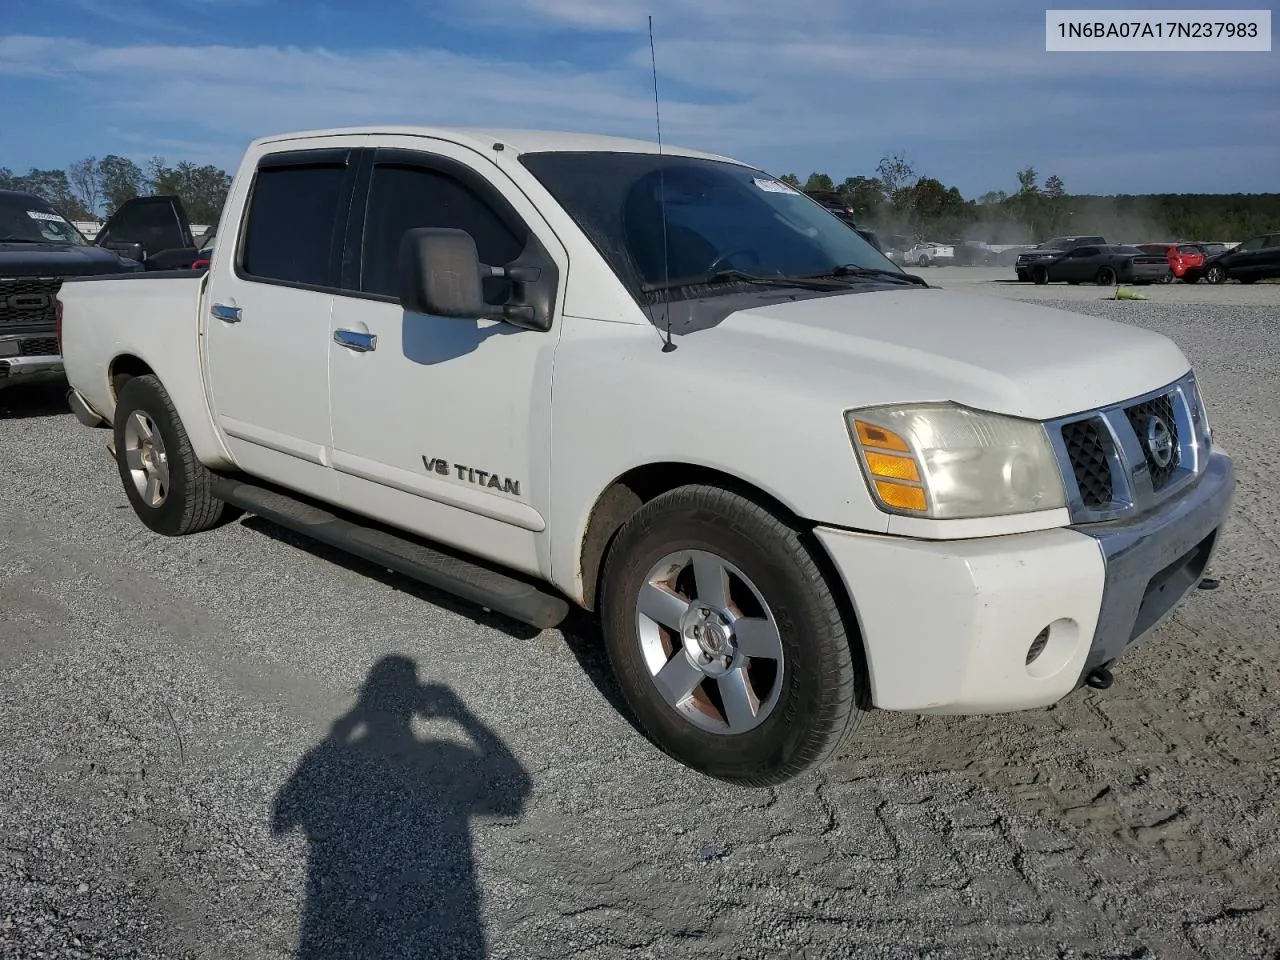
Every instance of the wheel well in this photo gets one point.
(123, 369)
(629, 492)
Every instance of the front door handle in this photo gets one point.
(225, 312)
(355, 340)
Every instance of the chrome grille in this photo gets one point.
(1141, 417)
(1107, 457)
(1089, 461)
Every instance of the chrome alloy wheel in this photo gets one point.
(710, 642)
(146, 459)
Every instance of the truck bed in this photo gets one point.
(136, 323)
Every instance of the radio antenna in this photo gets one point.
(667, 346)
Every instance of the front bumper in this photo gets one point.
(947, 625)
(14, 370)
(1154, 561)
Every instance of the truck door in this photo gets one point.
(442, 425)
(269, 303)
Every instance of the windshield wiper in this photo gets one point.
(741, 276)
(852, 270)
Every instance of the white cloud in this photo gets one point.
(821, 83)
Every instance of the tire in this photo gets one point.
(925, 261)
(1040, 275)
(1167, 278)
(1216, 274)
(167, 486)
(1106, 277)
(806, 699)
(1022, 275)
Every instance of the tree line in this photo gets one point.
(92, 189)
(897, 200)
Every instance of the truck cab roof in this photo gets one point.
(518, 141)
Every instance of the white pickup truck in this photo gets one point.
(550, 370)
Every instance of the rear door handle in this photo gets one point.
(355, 340)
(225, 312)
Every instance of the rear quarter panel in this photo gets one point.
(154, 318)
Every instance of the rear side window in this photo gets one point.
(404, 197)
(293, 218)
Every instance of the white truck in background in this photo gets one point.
(549, 370)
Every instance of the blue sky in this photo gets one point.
(966, 90)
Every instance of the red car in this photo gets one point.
(1186, 260)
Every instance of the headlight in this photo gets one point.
(948, 462)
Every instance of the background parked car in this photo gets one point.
(926, 253)
(1186, 260)
(1103, 264)
(1048, 250)
(1257, 258)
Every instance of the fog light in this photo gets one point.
(1037, 646)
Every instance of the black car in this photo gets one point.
(39, 248)
(1257, 258)
(1103, 264)
(1049, 250)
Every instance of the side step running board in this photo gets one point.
(469, 581)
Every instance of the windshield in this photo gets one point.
(719, 216)
(24, 217)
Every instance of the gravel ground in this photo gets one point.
(176, 714)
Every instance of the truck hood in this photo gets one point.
(916, 345)
(59, 260)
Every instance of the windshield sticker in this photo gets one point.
(41, 215)
(772, 186)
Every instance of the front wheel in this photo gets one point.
(726, 638)
(1040, 275)
(167, 485)
(1216, 274)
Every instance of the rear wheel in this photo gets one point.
(167, 485)
(1106, 277)
(1167, 278)
(726, 638)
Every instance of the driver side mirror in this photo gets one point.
(128, 249)
(441, 275)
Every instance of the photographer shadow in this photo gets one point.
(387, 817)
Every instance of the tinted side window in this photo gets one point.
(293, 215)
(404, 197)
(1085, 252)
(1253, 244)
